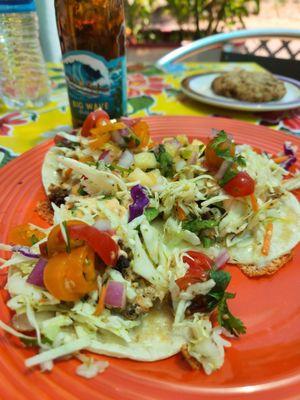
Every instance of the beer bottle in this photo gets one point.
(92, 37)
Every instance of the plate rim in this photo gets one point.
(235, 105)
(184, 388)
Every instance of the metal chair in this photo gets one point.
(255, 47)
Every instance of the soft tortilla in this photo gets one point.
(153, 340)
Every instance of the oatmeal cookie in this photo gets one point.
(249, 86)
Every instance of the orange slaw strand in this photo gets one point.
(100, 305)
(98, 143)
(254, 203)
(109, 127)
(267, 239)
(180, 213)
(280, 159)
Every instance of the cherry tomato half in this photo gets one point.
(101, 242)
(241, 185)
(56, 243)
(92, 120)
(199, 267)
(69, 276)
(213, 161)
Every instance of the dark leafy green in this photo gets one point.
(165, 161)
(224, 153)
(34, 343)
(230, 173)
(207, 241)
(33, 239)
(81, 191)
(217, 299)
(151, 213)
(220, 138)
(198, 225)
(227, 319)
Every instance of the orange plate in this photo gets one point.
(263, 364)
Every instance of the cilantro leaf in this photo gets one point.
(240, 160)
(217, 299)
(220, 138)
(81, 191)
(207, 241)
(230, 173)
(224, 152)
(227, 319)
(33, 239)
(34, 343)
(197, 225)
(222, 279)
(151, 213)
(165, 161)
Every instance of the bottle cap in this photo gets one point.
(17, 6)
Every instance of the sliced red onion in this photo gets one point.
(115, 295)
(117, 138)
(124, 132)
(25, 251)
(174, 142)
(222, 259)
(140, 201)
(289, 149)
(21, 323)
(103, 225)
(37, 274)
(105, 157)
(222, 170)
(193, 159)
(126, 159)
(130, 121)
(288, 163)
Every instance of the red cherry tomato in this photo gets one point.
(91, 121)
(199, 267)
(101, 242)
(212, 160)
(241, 185)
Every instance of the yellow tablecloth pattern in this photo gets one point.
(150, 92)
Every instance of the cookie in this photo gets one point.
(255, 87)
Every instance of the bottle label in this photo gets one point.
(17, 6)
(93, 82)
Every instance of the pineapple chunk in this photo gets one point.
(145, 179)
(145, 160)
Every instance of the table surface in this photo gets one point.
(151, 91)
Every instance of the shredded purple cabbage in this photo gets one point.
(37, 274)
(289, 149)
(288, 163)
(140, 201)
(25, 251)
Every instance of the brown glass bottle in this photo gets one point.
(92, 37)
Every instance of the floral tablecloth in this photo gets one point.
(150, 92)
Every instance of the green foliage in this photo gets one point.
(206, 17)
(138, 14)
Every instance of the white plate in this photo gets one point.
(198, 87)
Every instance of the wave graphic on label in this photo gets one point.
(92, 75)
